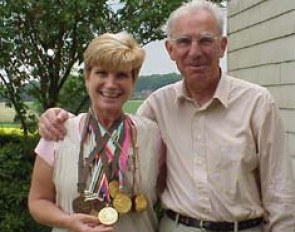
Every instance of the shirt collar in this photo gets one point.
(181, 92)
(222, 90)
(221, 93)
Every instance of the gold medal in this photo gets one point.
(114, 188)
(140, 202)
(122, 203)
(108, 216)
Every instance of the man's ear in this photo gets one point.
(223, 44)
(169, 49)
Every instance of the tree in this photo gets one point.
(148, 84)
(42, 40)
(74, 97)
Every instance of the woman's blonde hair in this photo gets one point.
(114, 52)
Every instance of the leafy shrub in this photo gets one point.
(16, 163)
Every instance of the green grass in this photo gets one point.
(131, 106)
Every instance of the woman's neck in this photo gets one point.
(106, 119)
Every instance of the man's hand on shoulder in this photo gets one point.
(51, 124)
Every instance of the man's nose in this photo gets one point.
(195, 49)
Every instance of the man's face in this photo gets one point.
(196, 46)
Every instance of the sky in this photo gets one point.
(157, 60)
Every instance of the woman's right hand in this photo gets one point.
(86, 223)
(51, 124)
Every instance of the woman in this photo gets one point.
(107, 164)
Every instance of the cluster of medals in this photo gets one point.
(104, 188)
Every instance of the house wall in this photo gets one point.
(262, 50)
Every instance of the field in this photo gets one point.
(131, 106)
(7, 114)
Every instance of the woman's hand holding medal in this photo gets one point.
(79, 222)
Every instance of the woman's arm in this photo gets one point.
(42, 204)
(42, 196)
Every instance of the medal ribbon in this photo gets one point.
(110, 153)
(101, 141)
(137, 179)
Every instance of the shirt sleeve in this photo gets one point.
(276, 177)
(162, 174)
(146, 110)
(46, 149)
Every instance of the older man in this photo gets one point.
(227, 163)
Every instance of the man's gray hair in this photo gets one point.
(193, 6)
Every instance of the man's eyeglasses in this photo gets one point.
(206, 40)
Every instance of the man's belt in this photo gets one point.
(214, 226)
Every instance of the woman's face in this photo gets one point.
(109, 90)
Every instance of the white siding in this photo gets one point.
(262, 50)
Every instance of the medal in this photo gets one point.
(140, 202)
(81, 205)
(122, 203)
(108, 216)
(114, 188)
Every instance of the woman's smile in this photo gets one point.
(108, 94)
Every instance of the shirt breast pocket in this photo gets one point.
(231, 165)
